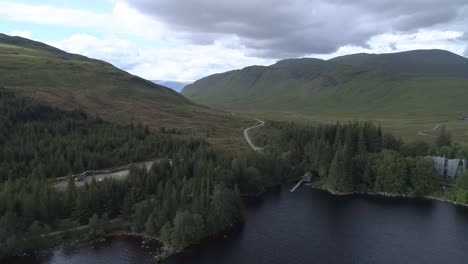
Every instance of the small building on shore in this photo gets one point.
(450, 168)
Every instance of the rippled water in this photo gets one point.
(310, 226)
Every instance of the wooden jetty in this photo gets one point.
(305, 178)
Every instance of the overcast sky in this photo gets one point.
(185, 40)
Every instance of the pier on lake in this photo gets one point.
(305, 178)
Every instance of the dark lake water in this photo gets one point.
(311, 226)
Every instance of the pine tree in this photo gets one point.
(340, 177)
(423, 176)
(444, 138)
(391, 173)
(361, 144)
(95, 229)
(166, 233)
(71, 196)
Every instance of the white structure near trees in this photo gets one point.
(451, 168)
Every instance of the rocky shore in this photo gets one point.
(157, 248)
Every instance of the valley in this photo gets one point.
(407, 129)
(359, 124)
(404, 92)
(233, 132)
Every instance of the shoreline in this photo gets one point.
(388, 195)
(164, 251)
(267, 189)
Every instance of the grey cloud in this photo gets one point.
(287, 28)
(466, 51)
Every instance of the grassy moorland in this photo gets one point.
(407, 129)
(405, 92)
(72, 81)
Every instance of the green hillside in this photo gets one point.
(424, 86)
(417, 83)
(425, 62)
(31, 65)
(73, 81)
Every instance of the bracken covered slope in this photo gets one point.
(72, 81)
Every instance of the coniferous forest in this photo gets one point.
(193, 191)
(359, 157)
(43, 142)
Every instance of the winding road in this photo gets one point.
(247, 138)
(425, 132)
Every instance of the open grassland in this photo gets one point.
(404, 92)
(407, 129)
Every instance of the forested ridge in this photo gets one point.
(193, 191)
(45, 142)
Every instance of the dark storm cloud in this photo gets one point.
(285, 28)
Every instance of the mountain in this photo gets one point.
(32, 66)
(176, 86)
(425, 62)
(71, 81)
(405, 85)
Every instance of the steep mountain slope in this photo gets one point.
(414, 84)
(72, 81)
(32, 66)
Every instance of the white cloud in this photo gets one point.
(21, 33)
(391, 42)
(284, 28)
(120, 52)
(123, 18)
(187, 56)
(44, 14)
(188, 62)
(175, 62)
(126, 19)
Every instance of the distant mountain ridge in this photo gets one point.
(430, 62)
(413, 83)
(174, 85)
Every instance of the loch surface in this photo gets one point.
(312, 226)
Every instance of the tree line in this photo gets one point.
(192, 191)
(44, 142)
(357, 156)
